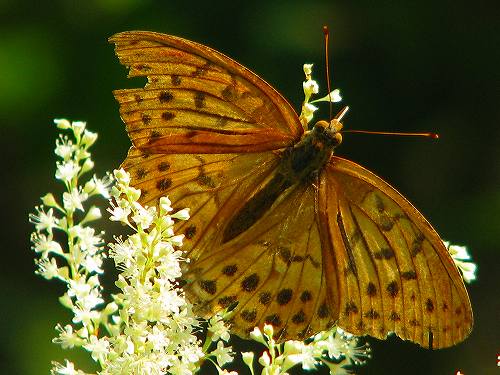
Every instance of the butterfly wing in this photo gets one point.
(393, 271)
(198, 100)
(275, 271)
(204, 129)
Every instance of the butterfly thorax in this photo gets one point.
(303, 161)
(298, 165)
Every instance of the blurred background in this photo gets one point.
(401, 66)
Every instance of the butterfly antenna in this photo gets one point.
(403, 134)
(326, 33)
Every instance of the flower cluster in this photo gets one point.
(336, 349)
(147, 328)
(79, 261)
(310, 88)
(156, 323)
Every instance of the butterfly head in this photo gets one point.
(330, 131)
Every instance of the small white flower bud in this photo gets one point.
(248, 358)
(49, 200)
(177, 240)
(134, 193)
(264, 359)
(256, 335)
(310, 87)
(93, 214)
(165, 205)
(110, 308)
(308, 69)
(121, 176)
(78, 127)
(62, 123)
(89, 186)
(268, 330)
(181, 214)
(293, 347)
(88, 165)
(66, 301)
(89, 138)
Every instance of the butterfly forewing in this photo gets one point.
(198, 100)
(213, 186)
(394, 272)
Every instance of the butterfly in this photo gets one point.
(281, 229)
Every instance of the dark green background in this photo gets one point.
(402, 66)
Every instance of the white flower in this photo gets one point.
(45, 245)
(67, 337)
(47, 268)
(87, 164)
(67, 170)
(143, 216)
(222, 354)
(310, 87)
(99, 348)
(84, 315)
(308, 111)
(158, 338)
(93, 264)
(44, 221)
(122, 252)
(461, 257)
(121, 176)
(177, 240)
(335, 345)
(191, 353)
(67, 369)
(333, 97)
(102, 185)
(79, 288)
(74, 199)
(355, 354)
(256, 335)
(86, 238)
(94, 213)
(264, 359)
(49, 200)
(119, 213)
(218, 329)
(64, 148)
(226, 372)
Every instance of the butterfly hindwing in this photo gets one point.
(274, 271)
(394, 272)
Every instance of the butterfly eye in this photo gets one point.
(338, 138)
(336, 126)
(322, 125)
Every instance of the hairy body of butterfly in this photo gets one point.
(280, 227)
(299, 164)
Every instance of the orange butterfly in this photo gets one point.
(293, 235)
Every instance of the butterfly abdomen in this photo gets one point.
(299, 164)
